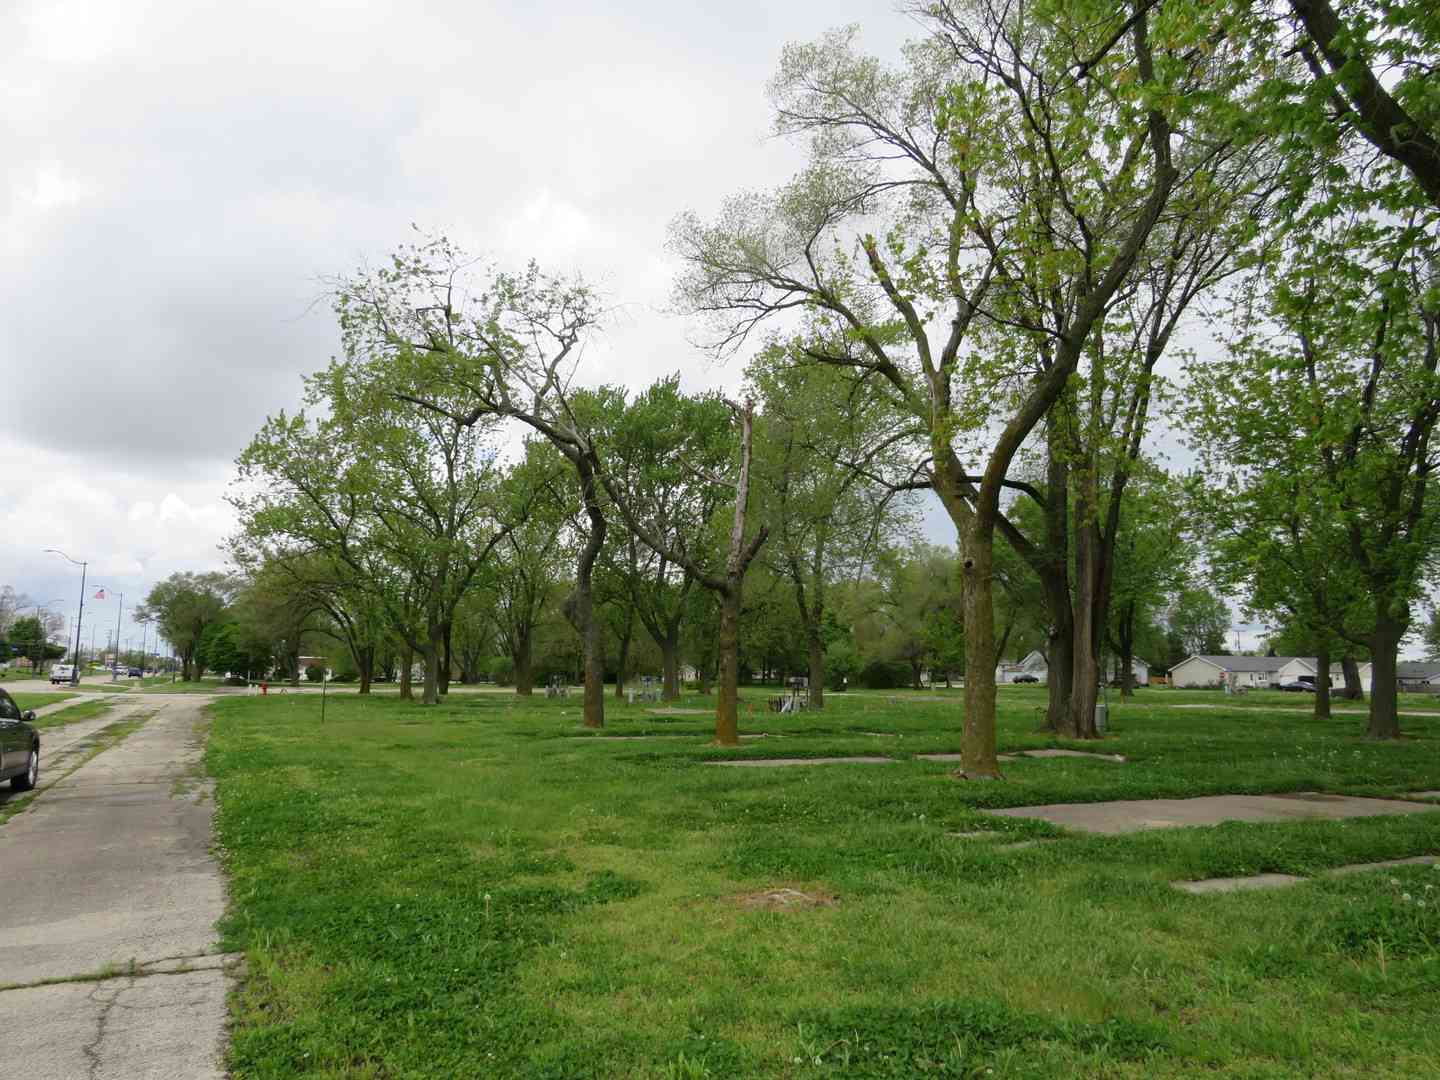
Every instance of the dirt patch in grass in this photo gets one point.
(786, 899)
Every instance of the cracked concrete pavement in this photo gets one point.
(107, 909)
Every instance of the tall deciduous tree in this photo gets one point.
(182, 606)
(662, 454)
(1322, 420)
(822, 448)
(991, 178)
(506, 350)
(724, 572)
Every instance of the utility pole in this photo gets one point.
(79, 615)
(115, 671)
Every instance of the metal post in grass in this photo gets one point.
(324, 682)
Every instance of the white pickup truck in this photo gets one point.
(61, 673)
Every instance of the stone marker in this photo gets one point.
(1360, 868)
(1275, 881)
(1056, 753)
(776, 762)
(1132, 815)
(1237, 884)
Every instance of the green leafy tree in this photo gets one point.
(1201, 622)
(474, 352)
(182, 606)
(991, 192)
(823, 453)
(663, 452)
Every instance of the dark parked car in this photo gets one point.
(1297, 688)
(1025, 679)
(19, 746)
(135, 673)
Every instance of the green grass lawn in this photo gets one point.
(39, 701)
(469, 891)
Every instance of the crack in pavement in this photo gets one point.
(140, 970)
(91, 1050)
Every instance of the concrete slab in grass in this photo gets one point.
(1275, 881)
(1057, 753)
(1386, 864)
(1134, 815)
(662, 735)
(778, 762)
(1422, 794)
(1237, 884)
(1017, 754)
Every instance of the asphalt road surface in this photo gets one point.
(109, 967)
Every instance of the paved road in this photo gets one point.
(109, 896)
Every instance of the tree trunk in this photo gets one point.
(1384, 689)
(1351, 670)
(365, 661)
(1079, 722)
(622, 662)
(727, 702)
(1127, 651)
(1053, 569)
(670, 663)
(817, 668)
(584, 607)
(1060, 664)
(445, 663)
(1322, 682)
(977, 740)
(434, 648)
(524, 672)
(407, 663)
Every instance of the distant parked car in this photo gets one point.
(61, 673)
(1025, 679)
(19, 746)
(1297, 688)
(134, 673)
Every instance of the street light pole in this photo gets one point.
(114, 671)
(79, 615)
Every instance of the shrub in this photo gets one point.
(314, 673)
(885, 674)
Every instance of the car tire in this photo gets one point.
(27, 780)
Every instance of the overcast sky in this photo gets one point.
(177, 178)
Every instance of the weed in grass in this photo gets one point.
(1392, 917)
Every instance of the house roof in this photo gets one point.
(1417, 669)
(1243, 663)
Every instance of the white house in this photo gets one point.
(1033, 663)
(1249, 672)
(1417, 674)
(1139, 668)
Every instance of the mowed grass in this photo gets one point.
(39, 701)
(471, 890)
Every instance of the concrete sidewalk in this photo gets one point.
(109, 899)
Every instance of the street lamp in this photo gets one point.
(79, 615)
